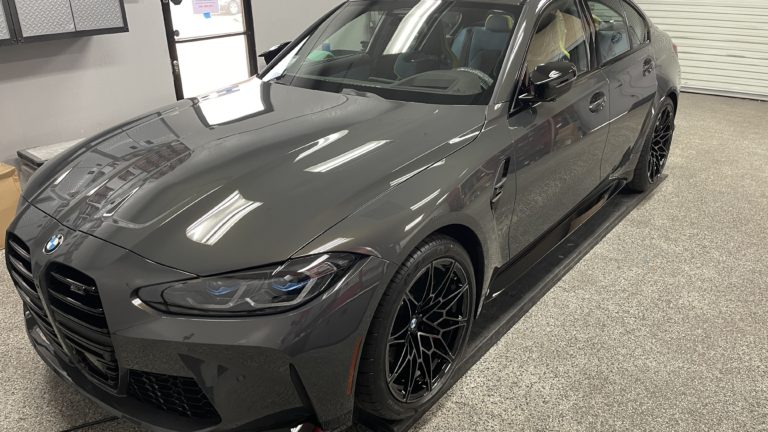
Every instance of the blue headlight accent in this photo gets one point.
(221, 291)
(290, 286)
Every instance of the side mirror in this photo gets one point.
(273, 52)
(550, 81)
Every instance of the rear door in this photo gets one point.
(558, 146)
(625, 53)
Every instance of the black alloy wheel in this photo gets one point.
(419, 331)
(428, 330)
(655, 153)
(660, 143)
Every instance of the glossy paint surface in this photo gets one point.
(248, 175)
(260, 173)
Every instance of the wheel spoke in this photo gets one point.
(447, 280)
(430, 287)
(449, 301)
(456, 323)
(413, 372)
(426, 368)
(411, 302)
(398, 338)
(441, 349)
(399, 334)
(402, 362)
(428, 327)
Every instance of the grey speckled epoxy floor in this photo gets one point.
(663, 326)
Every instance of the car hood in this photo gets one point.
(245, 176)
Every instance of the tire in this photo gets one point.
(387, 368)
(655, 152)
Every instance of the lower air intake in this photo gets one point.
(175, 394)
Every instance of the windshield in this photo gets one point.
(432, 51)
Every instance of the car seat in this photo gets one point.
(434, 54)
(483, 47)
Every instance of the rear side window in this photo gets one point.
(613, 37)
(638, 28)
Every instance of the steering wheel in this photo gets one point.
(487, 80)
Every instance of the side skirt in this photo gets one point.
(507, 275)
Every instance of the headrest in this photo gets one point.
(499, 23)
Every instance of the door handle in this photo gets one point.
(598, 102)
(501, 179)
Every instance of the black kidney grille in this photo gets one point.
(20, 268)
(179, 395)
(76, 308)
(73, 300)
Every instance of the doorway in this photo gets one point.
(211, 44)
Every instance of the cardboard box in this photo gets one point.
(9, 198)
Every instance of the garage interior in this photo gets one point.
(660, 327)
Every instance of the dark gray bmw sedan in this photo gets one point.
(319, 239)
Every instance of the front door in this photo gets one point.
(558, 145)
(210, 43)
(624, 50)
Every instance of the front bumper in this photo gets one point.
(258, 373)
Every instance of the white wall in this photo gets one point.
(62, 90)
(281, 21)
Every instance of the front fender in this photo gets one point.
(445, 194)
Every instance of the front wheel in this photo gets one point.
(655, 153)
(419, 330)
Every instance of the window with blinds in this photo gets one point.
(722, 44)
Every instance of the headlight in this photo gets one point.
(256, 292)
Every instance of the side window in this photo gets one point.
(613, 37)
(560, 36)
(638, 28)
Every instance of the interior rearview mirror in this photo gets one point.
(550, 81)
(273, 52)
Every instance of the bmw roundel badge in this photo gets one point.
(53, 243)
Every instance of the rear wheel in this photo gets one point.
(655, 154)
(419, 330)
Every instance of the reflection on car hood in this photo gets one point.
(245, 176)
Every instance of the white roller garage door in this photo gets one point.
(723, 44)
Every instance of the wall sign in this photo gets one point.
(203, 7)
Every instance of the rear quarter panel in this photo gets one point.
(667, 64)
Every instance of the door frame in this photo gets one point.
(249, 33)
